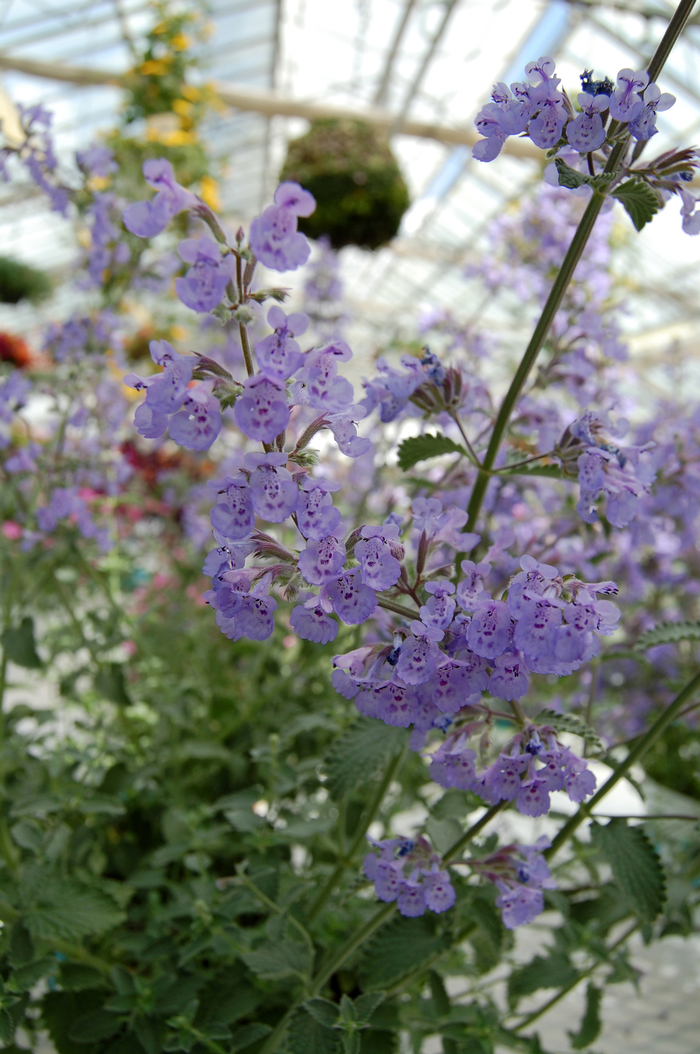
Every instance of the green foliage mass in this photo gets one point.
(351, 171)
(19, 282)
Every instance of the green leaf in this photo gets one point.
(21, 945)
(245, 1035)
(66, 910)
(668, 633)
(636, 866)
(59, 1011)
(399, 948)
(590, 1023)
(282, 959)
(74, 977)
(19, 646)
(569, 723)
(639, 200)
(420, 448)
(365, 1005)
(360, 753)
(93, 1026)
(109, 682)
(569, 177)
(307, 1036)
(443, 833)
(323, 1011)
(7, 1028)
(555, 971)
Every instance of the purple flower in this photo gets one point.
(317, 517)
(342, 425)
(418, 659)
(198, 423)
(311, 621)
(643, 124)
(394, 704)
(204, 285)
(353, 601)
(411, 899)
(460, 683)
(519, 904)
(509, 678)
(321, 561)
(380, 569)
(545, 129)
(625, 103)
(145, 219)
(471, 587)
(165, 392)
(272, 490)
(318, 383)
(453, 764)
(586, 132)
(279, 354)
(245, 611)
(490, 631)
(275, 240)
(439, 892)
(233, 516)
(293, 197)
(261, 411)
(438, 611)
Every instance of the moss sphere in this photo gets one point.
(350, 170)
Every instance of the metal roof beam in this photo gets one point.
(272, 104)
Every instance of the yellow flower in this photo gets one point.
(99, 182)
(178, 332)
(209, 192)
(155, 67)
(181, 42)
(190, 92)
(178, 138)
(182, 107)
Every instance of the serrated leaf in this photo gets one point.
(93, 1026)
(67, 910)
(323, 1011)
(365, 1005)
(399, 948)
(282, 959)
(569, 723)
(420, 448)
(245, 1035)
(360, 753)
(668, 633)
(636, 866)
(569, 177)
(7, 1028)
(590, 1023)
(554, 971)
(19, 647)
(307, 1036)
(639, 200)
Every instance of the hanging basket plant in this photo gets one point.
(350, 170)
(18, 282)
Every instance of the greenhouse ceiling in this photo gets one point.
(419, 70)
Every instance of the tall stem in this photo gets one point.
(645, 743)
(554, 301)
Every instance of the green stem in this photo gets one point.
(554, 301)
(359, 838)
(472, 831)
(645, 743)
(245, 345)
(581, 977)
(351, 945)
(398, 609)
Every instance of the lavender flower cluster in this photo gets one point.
(539, 109)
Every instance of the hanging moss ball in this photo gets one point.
(18, 282)
(350, 170)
